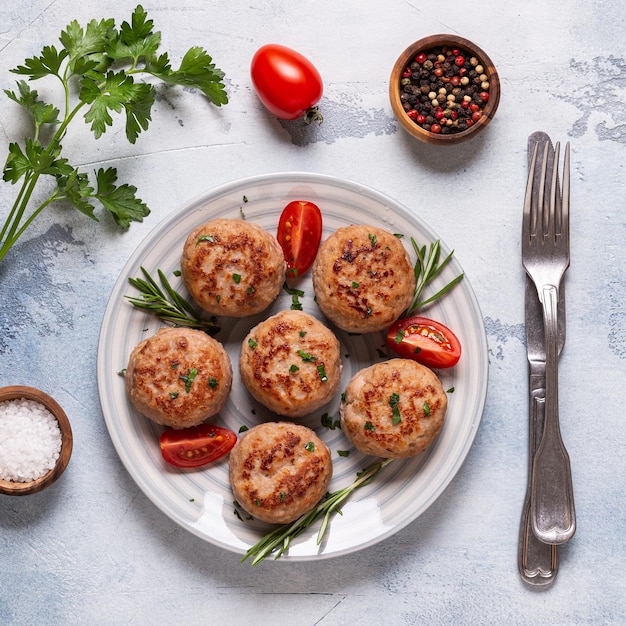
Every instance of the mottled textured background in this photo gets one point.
(93, 550)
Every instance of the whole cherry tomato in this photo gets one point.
(424, 340)
(299, 235)
(197, 445)
(286, 82)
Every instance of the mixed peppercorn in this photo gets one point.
(444, 90)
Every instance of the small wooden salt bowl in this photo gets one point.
(14, 488)
(406, 58)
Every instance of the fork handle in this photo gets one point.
(552, 494)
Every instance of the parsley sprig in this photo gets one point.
(279, 539)
(167, 304)
(427, 267)
(103, 62)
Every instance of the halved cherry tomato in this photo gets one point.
(286, 82)
(424, 340)
(299, 235)
(197, 445)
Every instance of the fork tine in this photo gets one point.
(543, 213)
(529, 224)
(565, 196)
(555, 197)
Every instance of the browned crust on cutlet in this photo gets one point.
(232, 267)
(279, 471)
(363, 278)
(367, 417)
(281, 359)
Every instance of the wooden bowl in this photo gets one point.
(14, 488)
(405, 60)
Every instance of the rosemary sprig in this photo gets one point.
(171, 308)
(280, 538)
(427, 268)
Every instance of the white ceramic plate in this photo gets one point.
(201, 500)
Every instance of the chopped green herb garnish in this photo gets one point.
(188, 378)
(250, 290)
(293, 369)
(209, 238)
(302, 333)
(237, 278)
(355, 285)
(242, 429)
(328, 422)
(399, 336)
(282, 496)
(212, 383)
(295, 294)
(309, 447)
(426, 408)
(394, 399)
(451, 390)
(343, 452)
(174, 395)
(306, 356)
(252, 343)
(321, 371)
(372, 239)
(369, 426)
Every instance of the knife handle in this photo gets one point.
(538, 562)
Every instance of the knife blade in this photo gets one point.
(537, 562)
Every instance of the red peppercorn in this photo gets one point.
(462, 71)
(420, 58)
(456, 51)
(420, 119)
(438, 71)
(412, 114)
(484, 96)
(474, 107)
(435, 128)
(454, 114)
(465, 104)
(476, 115)
(460, 61)
(455, 81)
(407, 73)
(439, 113)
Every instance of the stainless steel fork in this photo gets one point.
(545, 255)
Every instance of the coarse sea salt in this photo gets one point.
(30, 440)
